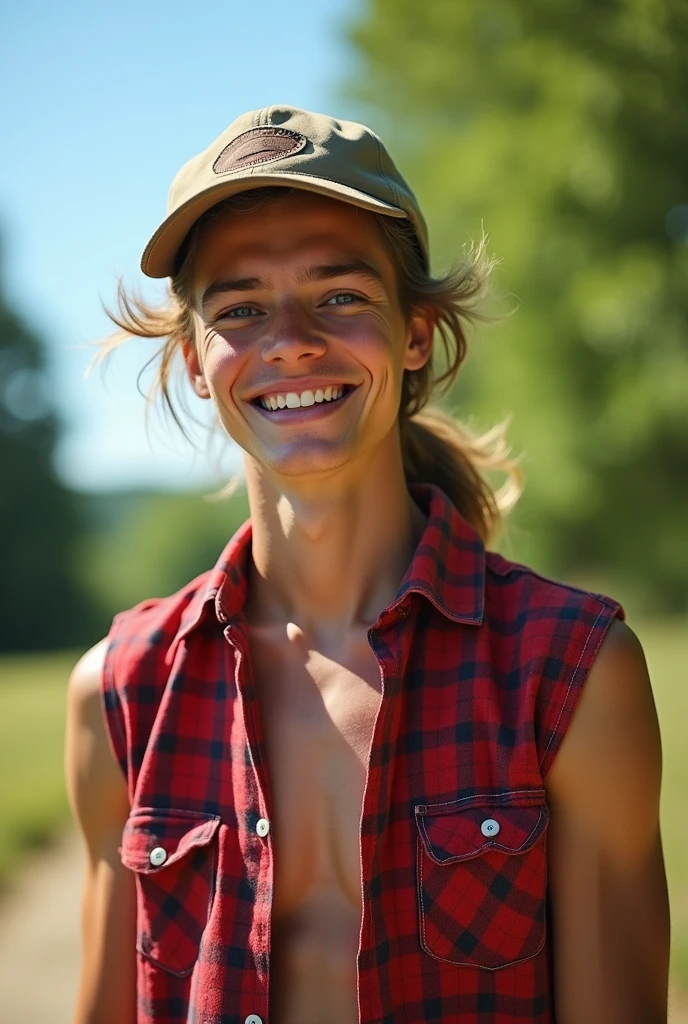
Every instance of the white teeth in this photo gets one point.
(291, 400)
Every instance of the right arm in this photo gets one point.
(99, 800)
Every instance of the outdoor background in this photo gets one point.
(559, 129)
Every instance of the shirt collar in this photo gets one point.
(448, 567)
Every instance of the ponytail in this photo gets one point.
(438, 449)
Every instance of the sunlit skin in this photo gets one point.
(334, 530)
(282, 328)
(319, 477)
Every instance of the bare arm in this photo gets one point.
(607, 880)
(98, 796)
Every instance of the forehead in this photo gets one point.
(288, 226)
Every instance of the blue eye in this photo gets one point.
(240, 311)
(348, 297)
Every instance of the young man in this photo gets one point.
(338, 778)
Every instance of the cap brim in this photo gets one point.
(159, 256)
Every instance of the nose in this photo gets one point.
(293, 337)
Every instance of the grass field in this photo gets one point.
(33, 803)
(32, 707)
(666, 650)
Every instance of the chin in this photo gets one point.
(304, 459)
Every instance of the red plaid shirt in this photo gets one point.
(482, 661)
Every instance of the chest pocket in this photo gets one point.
(482, 878)
(174, 858)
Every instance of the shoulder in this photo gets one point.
(556, 622)
(610, 760)
(620, 669)
(520, 587)
(554, 632)
(92, 774)
(152, 626)
(561, 627)
(172, 608)
(83, 690)
(617, 704)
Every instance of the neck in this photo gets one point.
(330, 554)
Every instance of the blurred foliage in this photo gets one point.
(41, 604)
(562, 130)
(145, 545)
(71, 561)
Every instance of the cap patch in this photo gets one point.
(258, 146)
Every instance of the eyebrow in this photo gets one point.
(319, 272)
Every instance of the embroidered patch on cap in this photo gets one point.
(258, 146)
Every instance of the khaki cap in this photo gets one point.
(283, 145)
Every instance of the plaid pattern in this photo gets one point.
(483, 661)
(175, 894)
(488, 910)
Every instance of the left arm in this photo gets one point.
(610, 909)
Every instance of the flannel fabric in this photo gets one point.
(482, 663)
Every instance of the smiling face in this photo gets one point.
(301, 342)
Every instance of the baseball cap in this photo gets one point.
(283, 145)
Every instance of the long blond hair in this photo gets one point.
(437, 448)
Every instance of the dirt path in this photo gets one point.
(39, 939)
(39, 936)
(678, 1009)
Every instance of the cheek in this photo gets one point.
(383, 351)
(221, 362)
(375, 343)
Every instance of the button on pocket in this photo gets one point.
(482, 878)
(173, 856)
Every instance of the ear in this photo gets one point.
(194, 369)
(420, 331)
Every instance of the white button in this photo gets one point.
(253, 1018)
(158, 856)
(262, 828)
(489, 827)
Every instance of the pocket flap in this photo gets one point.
(175, 832)
(452, 833)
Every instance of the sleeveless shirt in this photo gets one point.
(482, 661)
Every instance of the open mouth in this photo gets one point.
(288, 400)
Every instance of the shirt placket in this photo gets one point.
(254, 999)
(384, 640)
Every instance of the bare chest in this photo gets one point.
(318, 716)
(318, 713)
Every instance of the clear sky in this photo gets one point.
(102, 104)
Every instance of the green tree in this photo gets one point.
(562, 128)
(41, 605)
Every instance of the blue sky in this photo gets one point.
(103, 103)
